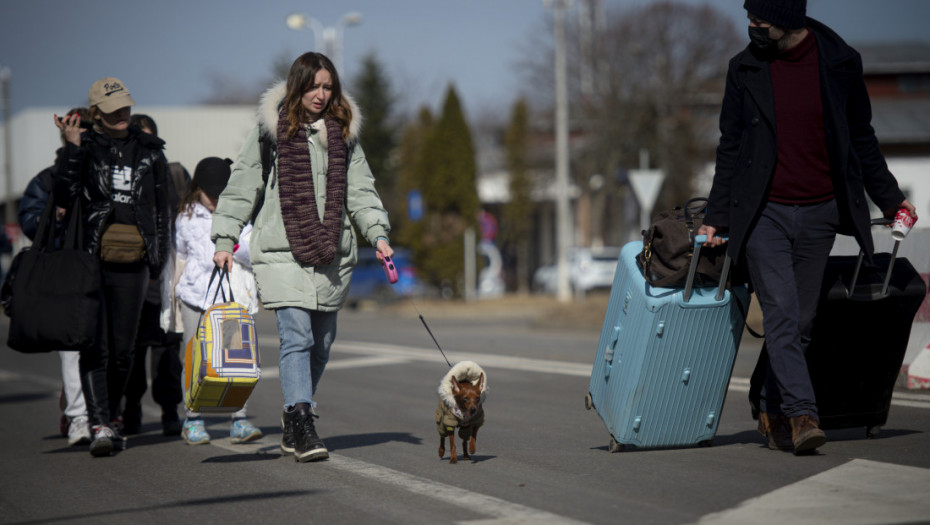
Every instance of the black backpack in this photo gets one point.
(268, 150)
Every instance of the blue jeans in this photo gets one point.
(306, 338)
(787, 253)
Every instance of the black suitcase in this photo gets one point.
(858, 340)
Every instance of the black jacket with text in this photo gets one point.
(86, 171)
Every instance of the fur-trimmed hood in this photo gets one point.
(271, 99)
(462, 371)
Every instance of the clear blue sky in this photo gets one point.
(167, 51)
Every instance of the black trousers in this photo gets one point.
(165, 352)
(787, 252)
(105, 367)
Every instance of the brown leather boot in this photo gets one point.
(775, 428)
(806, 434)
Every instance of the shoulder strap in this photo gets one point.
(268, 149)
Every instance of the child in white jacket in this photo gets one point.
(195, 253)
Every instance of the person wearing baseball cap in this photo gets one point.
(118, 175)
(797, 157)
(110, 104)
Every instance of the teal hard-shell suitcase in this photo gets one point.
(664, 358)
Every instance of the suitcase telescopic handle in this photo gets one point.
(894, 254)
(692, 269)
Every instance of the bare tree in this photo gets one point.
(667, 76)
(654, 76)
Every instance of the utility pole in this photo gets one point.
(563, 217)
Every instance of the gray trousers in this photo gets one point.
(787, 253)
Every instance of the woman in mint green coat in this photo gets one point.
(303, 246)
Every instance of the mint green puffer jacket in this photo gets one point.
(282, 281)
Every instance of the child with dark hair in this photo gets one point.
(195, 254)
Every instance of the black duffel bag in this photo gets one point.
(668, 246)
(54, 292)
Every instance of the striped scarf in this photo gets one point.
(312, 242)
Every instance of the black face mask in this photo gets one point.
(759, 36)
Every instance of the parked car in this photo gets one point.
(588, 269)
(370, 283)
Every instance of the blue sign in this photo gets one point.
(488, 225)
(414, 205)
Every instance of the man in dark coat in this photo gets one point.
(797, 157)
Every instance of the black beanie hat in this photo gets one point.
(211, 175)
(787, 14)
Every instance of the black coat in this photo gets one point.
(86, 171)
(746, 156)
(33, 202)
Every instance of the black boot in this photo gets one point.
(170, 422)
(132, 418)
(289, 431)
(308, 446)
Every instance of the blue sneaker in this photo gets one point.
(195, 433)
(242, 431)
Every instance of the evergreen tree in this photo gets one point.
(451, 197)
(517, 215)
(412, 174)
(373, 94)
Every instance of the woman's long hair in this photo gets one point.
(300, 80)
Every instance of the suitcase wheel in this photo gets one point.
(871, 432)
(706, 443)
(588, 401)
(614, 446)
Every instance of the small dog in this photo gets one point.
(461, 396)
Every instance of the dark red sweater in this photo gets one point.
(802, 174)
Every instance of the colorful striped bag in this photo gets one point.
(221, 361)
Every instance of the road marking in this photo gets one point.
(500, 510)
(380, 354)
(858, 492)
(902, 399)
(269, 372)
(490, 360)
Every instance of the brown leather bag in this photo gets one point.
(122, 243)
(669, 244)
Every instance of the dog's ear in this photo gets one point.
(480, 385)
(455, 386)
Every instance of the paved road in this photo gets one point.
(541, 458)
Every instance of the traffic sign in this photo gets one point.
(646, 185)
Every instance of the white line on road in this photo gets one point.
(903, 399)
(384, 354)
(860, 491)
(500, 510)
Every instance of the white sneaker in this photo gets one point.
(78, 431)
(102, 444)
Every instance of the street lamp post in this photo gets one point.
(563, 208)
(328, 40)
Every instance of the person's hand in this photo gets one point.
(70, 127)
(223, 260)
(906, 204)
(710, 232)
(384, 249)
